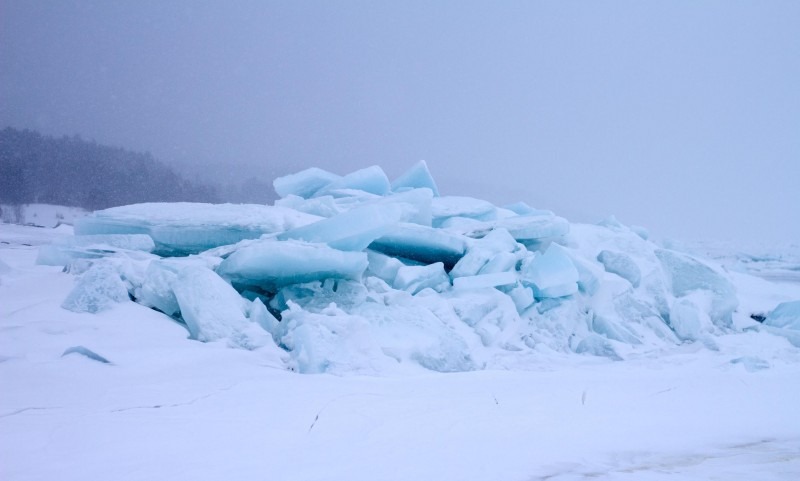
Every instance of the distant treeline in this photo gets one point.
(70, 171)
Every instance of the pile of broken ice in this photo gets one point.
(354, 273)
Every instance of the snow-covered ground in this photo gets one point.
(41, 215)
(123, 394)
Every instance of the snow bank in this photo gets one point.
(355, 273)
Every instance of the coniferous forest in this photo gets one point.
(70, 171)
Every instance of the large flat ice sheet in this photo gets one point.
(186, 228)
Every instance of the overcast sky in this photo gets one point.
(681, 116)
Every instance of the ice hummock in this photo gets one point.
(356, 273)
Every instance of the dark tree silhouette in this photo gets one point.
(74, 172)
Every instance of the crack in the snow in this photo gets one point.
(664, 391)
(22, 410)
(175, 405)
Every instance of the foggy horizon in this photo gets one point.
(683, 117)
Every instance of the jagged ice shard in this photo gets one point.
(357, 273)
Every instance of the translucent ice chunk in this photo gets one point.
(304, 183)
(687, 274)
(415, 278)
(261, 316)
(465, 225)
(415, 177)
(786, 315)
(521, 208)
(356, 228)
(213, 310)
(324, 206)
(372, 180)
(480, 252)
(522, 297)
(423, 244)
(497, 240)
(534, 227)
(346, 199)
(184, 228)
(458, 206)
(383, 266)
(415, 203)
(621, 265)
(99, 288)
(271, 264)
(501, 262)
(472, 262)
(350, 231)
(551, 274)
(483, 281)
(156, 290)
(526, 229)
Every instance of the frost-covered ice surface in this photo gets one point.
(443, 337)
